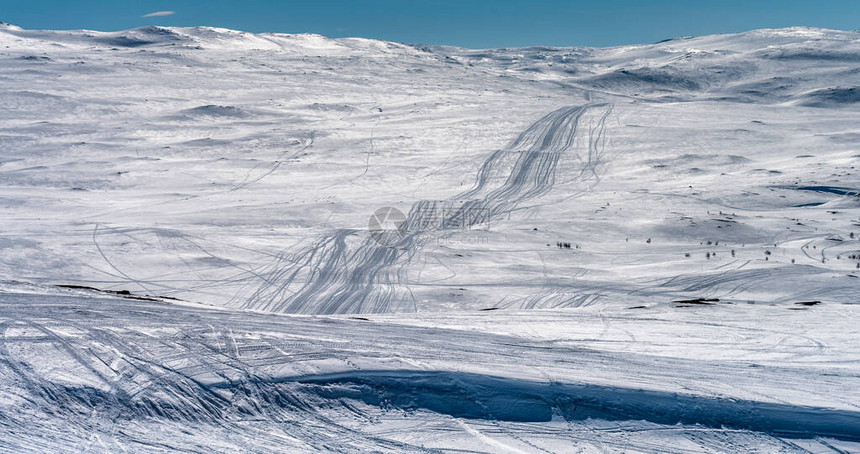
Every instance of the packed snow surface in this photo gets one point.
(218, 240)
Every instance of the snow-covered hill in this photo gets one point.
(569, 225)
(200, 164)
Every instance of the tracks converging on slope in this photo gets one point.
(348, 271)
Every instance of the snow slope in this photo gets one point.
(707, 189)
(197, 163)
(152, 376)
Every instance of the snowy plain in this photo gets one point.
(186, 259)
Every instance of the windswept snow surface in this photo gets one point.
(640, 248)
(83, 371)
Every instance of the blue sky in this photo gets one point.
(469, 23)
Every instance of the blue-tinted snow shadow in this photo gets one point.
(475, 396)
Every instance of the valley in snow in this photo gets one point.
(217, 240)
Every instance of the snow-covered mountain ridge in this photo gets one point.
(718, 64)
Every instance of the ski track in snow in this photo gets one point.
(340, 280)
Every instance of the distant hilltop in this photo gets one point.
(798, 65)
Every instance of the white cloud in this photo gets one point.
(159, 14)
